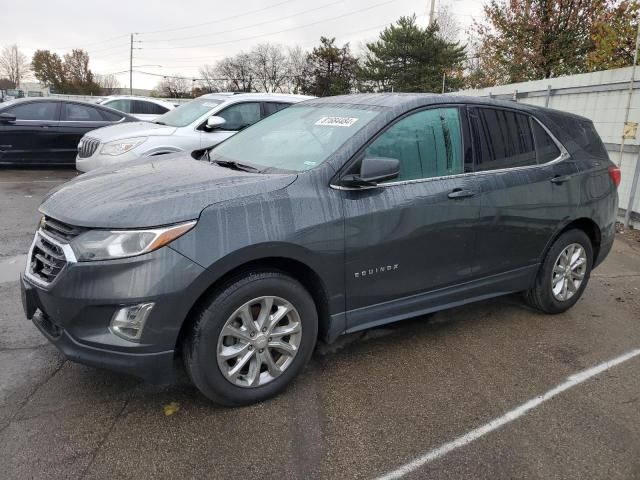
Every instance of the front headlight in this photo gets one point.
(112, 244)
(118, 147)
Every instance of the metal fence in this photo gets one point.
(602, 97)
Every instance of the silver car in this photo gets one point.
(143, 108)
(201, 123)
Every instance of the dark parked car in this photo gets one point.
(331, 216)
(46, 131)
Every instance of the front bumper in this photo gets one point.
(153, 367)
(74, 311)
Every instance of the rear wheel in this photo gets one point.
(564, 273)
(251, 339)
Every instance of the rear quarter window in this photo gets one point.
(546, 149)
(110, 116)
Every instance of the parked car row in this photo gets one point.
(46, 131)
(330, 216)
(52, 131)
(201, 123)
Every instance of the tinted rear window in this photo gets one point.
(503, 139)
(73, 112)
(148, 108)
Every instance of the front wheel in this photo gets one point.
(252, 338)
(564, 273)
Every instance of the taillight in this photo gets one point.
(614, 173)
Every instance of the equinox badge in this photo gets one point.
(373, 271)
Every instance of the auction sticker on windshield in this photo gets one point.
(336, 121)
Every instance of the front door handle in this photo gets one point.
(559, 179)
(461, 193)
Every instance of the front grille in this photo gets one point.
(59, 230)
(47, 259)
(88, 147)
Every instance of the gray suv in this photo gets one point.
(331, 216)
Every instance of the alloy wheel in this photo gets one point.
(259, 341)
(568, 273)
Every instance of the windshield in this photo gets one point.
(188, 113)
(296, 139)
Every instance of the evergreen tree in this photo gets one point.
(331, 69)
(408, 58)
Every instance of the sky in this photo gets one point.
(178, 37)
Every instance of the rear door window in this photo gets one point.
(427, 144)
(148, 108)
(503, 139)
(122, 105)
(73, 112)
(273, 107)
(47, 111)
(240, 115)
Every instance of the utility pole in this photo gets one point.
(432, 12)
(131, 61)
(131, 67)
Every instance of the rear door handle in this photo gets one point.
(560, 179)
(461, 193)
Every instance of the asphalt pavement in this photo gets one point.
(365, 406)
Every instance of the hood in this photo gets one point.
(129, 130)
(149, 193)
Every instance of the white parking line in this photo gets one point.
(510, 416)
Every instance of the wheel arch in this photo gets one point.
(295, 268)
(588, 226)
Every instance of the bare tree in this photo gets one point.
(269, 66)
(108, 83)
(175, 87)
(13, 64)
(210, 79)
(298, 63)
(237, 72)
(449, 26)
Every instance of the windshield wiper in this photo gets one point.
(160, 123)
(236, 166)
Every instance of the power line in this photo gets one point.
(91, 44)
(252, 25)
(279, 31)
(110, 54)
(218, 20)
(303, 45)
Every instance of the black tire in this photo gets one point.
(541, 296)
(200, 346)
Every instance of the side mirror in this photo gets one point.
(372, 171)
(7, 118)
(214, 122)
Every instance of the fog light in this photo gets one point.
(128, 322)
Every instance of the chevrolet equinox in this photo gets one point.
(328, 217)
